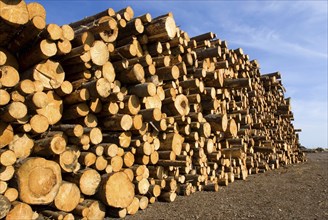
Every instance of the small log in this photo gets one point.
(133, 207)
(135, 74)
(167, 196)
(9, 77)
(11, 194)
(68, 160)
(143, 90)
(99, 53)
(99, 88)
(6, 134)
(161, 29)
(218, 122)
(7, 173)
(173, 142)
(88, 181)
(5, 206)
(7, 157)
(28, 34)
(118, 122)
(22, 145)
(177, 106)
(49, 145)
(50, 73)
(13, 112)
(91, 209)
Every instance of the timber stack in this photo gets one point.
(108, 114)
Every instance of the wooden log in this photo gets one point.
(161, 29)
(7, 157)
(122, 139)
(118, 122)
(13, 14)
(217, 121)
(20, 210)
(143, 90)
(50, 145)
(237, 83)
(133, 75)
(178, 106)
(133, 207)
(13, 112)
(134, 27)
(173, 142)
(53, 111)
(87, 158)
(28, 34)
(90, 209)
(4, 97)
(68, 32)
(151, 114)
(142, 186)
(167, 196)
(9, 76)
(168, 73)
(5, 206)
(76, 111)
(6, 134)
(63, 47)
(105, 23)
(116, 190)
(7, 173)
(68, 197)
(49, 73)
(131, 105)
(58, 214)
(38, 180)
(43, 50)
(99, 53)
(108, 12)
(88, 181)
(3, 186)
(68, 160)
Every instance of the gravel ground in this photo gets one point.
(297, 191)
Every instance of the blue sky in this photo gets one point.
(285, 36)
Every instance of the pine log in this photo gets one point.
(172, 142)
(68, 197)
(9, 77)
(5, 206)
(20, 210)
(161, 29)
(91, 209)
(6, 134)
(116, 190)
(38, 181)
(50, 73)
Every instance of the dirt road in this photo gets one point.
(297, 191)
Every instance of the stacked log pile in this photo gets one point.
(111, 113)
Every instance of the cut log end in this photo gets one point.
(117, 190)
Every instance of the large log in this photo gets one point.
(116, 190)
(38, 180)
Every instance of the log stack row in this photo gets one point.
(113, 112)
